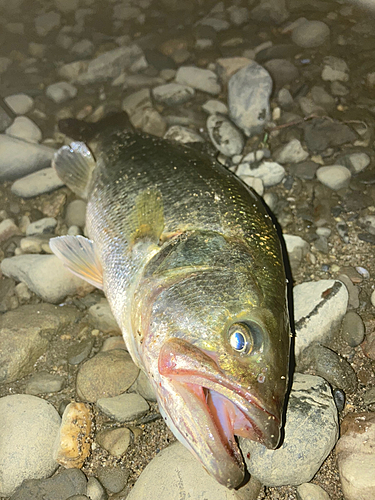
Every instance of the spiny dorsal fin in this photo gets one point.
(79, 256)
(146, 221)
(74, 165)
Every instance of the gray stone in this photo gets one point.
(101, 317)
(83, 48)
(45, 23)
(224, 135)
(75, 214)
(5, 62)
(20, 103)
(143, 386)
(25, 129)
(304, 170)
(45, 275)
(61, 91)
(311, 491)
(213, 106)
(173, 94)
(44, 382)
(200, 79)
(253, 182)
(123, 408)
(43, 181)
(311, 431)
(41, 226)
(352, 329)
(8, 229)
(319, 307)
(113, 479)
(292, 152)
(322, 98)
(215, 23)
(182, 134)
(297, 249)
(150, 121)
(115, 441)
(137, 101)
(5, 120)
(335, 69)
(355, 162)
(310, 34)
(106, 375)
(36, 244)
(66, 5)
(19, 158)
(321, 134)
(126, 12)
(72, 71)
(282, 71)
(80, 351)
(238, 15)
(249, 91)
(270, 11)
(95, 490)
(271, 173)
(28, 430)
(335, 176)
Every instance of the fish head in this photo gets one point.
(216, 350)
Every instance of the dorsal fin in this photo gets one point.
(146, 220)
(74, 165)
(79, 256)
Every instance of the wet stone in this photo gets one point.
(182, 134)
(339, 397)
(43, 383)
(123, 408)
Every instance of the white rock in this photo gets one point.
(319, 307)
(297, 248)
(20, 103)
(29, 426)
(270, 172)
(335, 176)
(224, 135)
(335, 69)
(19, 158)
(213, 106)
(173, 93)
(45, 275)
(61, 91)
(24, 128)
(200, 79)
(311, 491)
(292, 152)
(43, 181)
(41, 226)
(7, 229)
(182, 134)
(253, 182)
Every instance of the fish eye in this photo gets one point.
(244, 337)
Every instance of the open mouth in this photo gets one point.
(222, 408)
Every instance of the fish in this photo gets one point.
(191, 264)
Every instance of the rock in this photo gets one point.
(311, 491)
(23, 293)
(114, 343)
(43, 181)
(106, 375)
(41, 226)
(20, 104)
(321, 134)
(335, 69)
(95, 490)
(36, 244)
(228, 66)
(113, 479)
(74, 70)
(66, 6)
(238, 15)
(282, 71)
(72, 444)
(61, 91)
(5, 120)
(325, 363)
(5, 62)
(75, 214)
(83, 48)
(353, 290)
(19, 158)
(304, 170)
(271, 173)
(355, 453)
(297, 249)
(310, 34)
(335, 176)
(249, 91)
(253, 182)
(137, 101)
(224, 135)
(43, 383)
(25, 129)
(319, 308)
(59, 487)
(143, 386)
(45, 23)
(292, 152)
(8, 229)
(149, 121)
(101, 317)
(115, 441)
(80, 351)
(37, 50)
(270, 11)
(123, 408)
(311, 431)
(28, 430)
(175, 473)
(322, 98)
(200, 79)
(355, 162)
(182, 134)
(45, 275)
(212, 106)
(173, 94)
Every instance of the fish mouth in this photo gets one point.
(216, 409)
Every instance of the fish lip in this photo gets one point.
(186, 364)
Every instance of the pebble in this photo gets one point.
(327, 364)
(8, 229)
(5, 120)
(305, 170)
(368, 345)
(311, 491)
(61, 486)
(213, 106)
(253, 182)
(43, 382)
(270, 11)
(249, 91)
(75, 214)
(123, 408)
(355, 452)
(200, 79)
(45, 23)
(20, 104)
(61, 92)
(19, 158)
(43, 181)
(115, 441)
(173, 94)
(373, 298)
(335, 69)
(83, 48)
(23, 293)
(292, 152)
(175, 473)
(150, 121)
(106, 375)
(113, 479)
(26, 450)
(335, 176)
(95, 490)
(310, 34)
(297, 249)
(319, 307)
(224, 135)
(101, 317)
(228, 66)
(73, 444)
(80, 351)
(353, 290)
(41, 226)
(182, 134)
(355, 162)
(282, 71)
(5, 62)
(45, 275)
(311, 425)
(114, 343)
(143, 387)
(321, 134)
(271, 173)
(35, 244)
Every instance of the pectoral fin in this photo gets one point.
(75, 165)
(79, 256)
(146, 221)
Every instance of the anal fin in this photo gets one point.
(79, 256)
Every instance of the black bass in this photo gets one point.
(191, 265)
